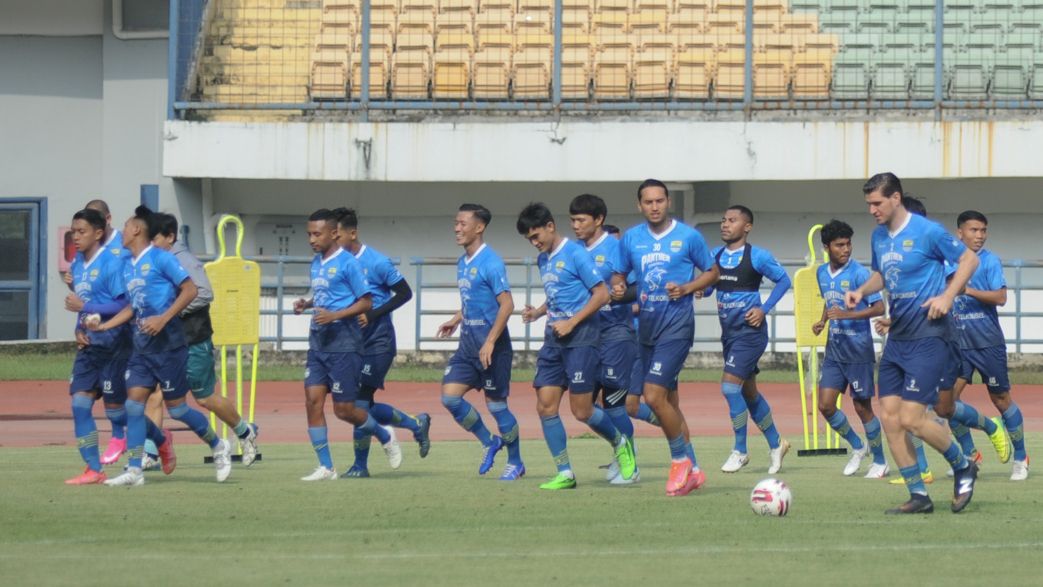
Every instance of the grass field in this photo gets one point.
(434, 522)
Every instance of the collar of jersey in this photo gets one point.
(908, 219)
(333, 256)
(467, 260)
(362, 249)
(112, 237)
(839, 271)
(101, 249)
(135, 260)
(604, 235)
(673, 225)
(558, 250)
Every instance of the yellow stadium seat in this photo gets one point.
(612, 67)
(417, 5)
(575, 20)
(344, 15)
(775, 42)
(730, 6)
(728, 79)
(531, 72)
(452, 68)
(418, 20)
(532, 22)
(612, 5)
(648, 20)
(767, 22)
(697, 42)
(410, 74)
(382, 18)
(449, 6)
(577, 55)
(587, 5)
(799, 23)
(491, 70)
(777, 6)
(642, 5)
(724, 23)
(812, 71)
(687, 21)
(379, 65)
(613, 21)
(334, 38)
(730, 42)
(487, 5)
(329, 74)
(694, 72)
(535, 5)
(499, 20)
(654, 66)
(771, 74)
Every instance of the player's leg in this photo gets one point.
(581, 367)
(114, 395)
(171, 370)
(827, 406)
(661, 366)
(360, 440)
(497, 388)
(316, 387)
(202, 381)
(760, 411)
(991, 363)
(344, 369)
(874, 436)
(997, 380)
(548, 400)
(960, 431)
(636, 408)
(890, 384)
(374, 371)
(462, 375)
(617, 362)
(83, 395)
(738, 412)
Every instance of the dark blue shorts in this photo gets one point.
(841, 376)
(742, 353)
(374, 369)
(494, 381)
(637, 376)
(916, 369)
(571, 368)
(167, 369)
(97, 370)
(990, 363)
(661, 364)
(337, 372)
(616, 358)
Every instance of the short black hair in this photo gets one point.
(99, 205)
(611, 229)
(835, 229)
(323, 215)
(744, 211)
(147, 217)
(347, 217)
(651, 183)
(91, 216)
(887, 182)
(914, 205)
(968, 215)
(480, 212)
(535, 215)
(164, 224)
(590, 205)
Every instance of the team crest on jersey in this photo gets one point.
(116, 252)
(845, 285)
(559, 265)
(599, 259)
(331, 272)
(675, 246)
(94, 273)
(474, 272)
(145, 268)
(907, 245)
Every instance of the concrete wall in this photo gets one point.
(52, 17)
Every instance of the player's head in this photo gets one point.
(736, 223)
(165, 227)
(88, 228)
(653, 200)
(138, 227)
(587, 213)
(836, 237)
(613, 230)
(471, 221)
(536, 223)
(883, 193)
(103, 207)
(973, 229)
(347, 226)
(322, 230)
(914, 205)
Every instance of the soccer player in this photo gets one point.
(97, 278)
(195, 320)
(159, 290)
(340, 294)
(484, 357)
(390, 291)
(618, 343)
(909, 252)
(664, 254)
(568, 359)
(984, 349)
(850, 358)
(744, 332)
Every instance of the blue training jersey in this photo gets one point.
(568, 274)
(850, 341)
(100, 281)
(978, 324)
(153, 281)
(733, 305)
(480, 278)
(337, 283)
(381, 274)
(672, 256)
(617, 319)
(912, 264)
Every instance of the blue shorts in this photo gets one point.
(661, 364)
(97, 370)
(916, 369)
(337, 372)
(374, 369)
(617, 359)
(168, 369)
(990, 363)
(494, 381)
(742, 353)
(637, 376)
(841, 376)
(571, 368)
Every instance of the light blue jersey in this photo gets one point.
(979, 324)
(732, 306)
(480, 278)
(337, 283)
(617, 319)
(568, 274)
(850, 341)
(100, 281)
(153, 281)
(672, 256)
(912, 263)
(381, 274)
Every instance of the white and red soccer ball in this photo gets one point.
(771, 497)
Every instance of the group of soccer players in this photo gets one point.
(619, 325)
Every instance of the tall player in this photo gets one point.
(664, 254)
(744, 332)
(909, 253)
(335, 344)
(390, 291)
(850, 358)
(484, 358)
(568, 359)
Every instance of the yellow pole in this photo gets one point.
(803, 395)
(253, 381)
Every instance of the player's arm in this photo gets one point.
(153, 325)
(872, 311)
(598, 297)
(618, 284)
(940, 305)
(361, 305)
(996, 295)
(769, 267)
(506, 303)
(530, 314)
(819, 326)
(873, 285)
(401, 294)
(705, 280)
(122, 317)
(302, 304)
(449, 326)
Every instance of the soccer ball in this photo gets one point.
(771, 497)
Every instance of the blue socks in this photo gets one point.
(118, 418)
(370, 426)
(508, 426)
(955, 456)
(761, 412)
(921, 456)
(645, 414)
(361, 446)
(554, 434)
(386, 415)
(876, 443)
(468, 419)
(972, 418)
(85, 430)
(196, 421)
(838, 421)
(320, 442)
(913, 480)
(621, 420)
(135, 431)
(678, 448)
(600, 423)
(1014, 423)
(737, 412)
(962, 435)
